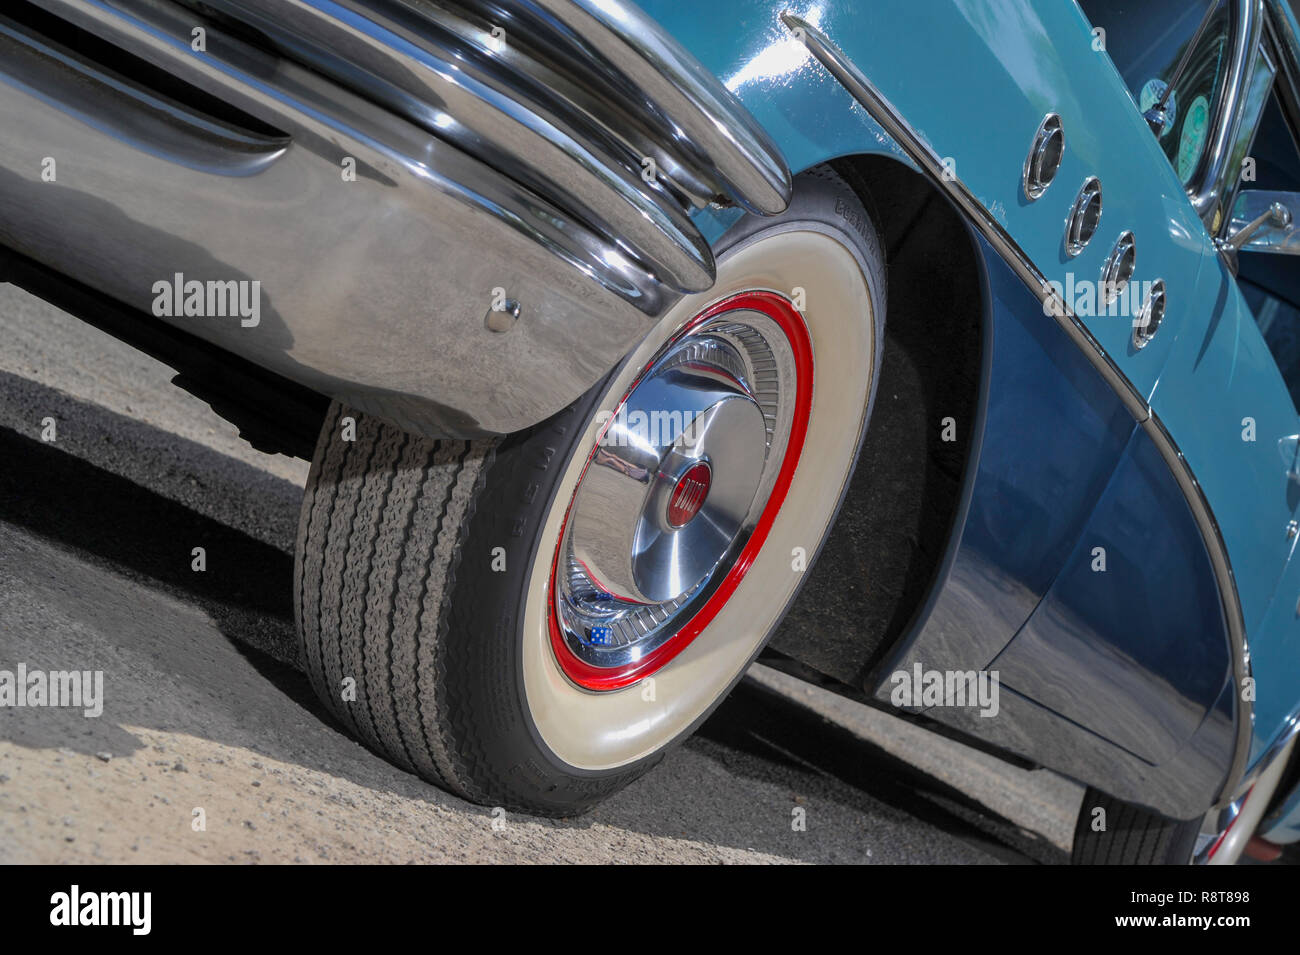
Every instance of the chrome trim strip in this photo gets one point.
(441, 73)
(742, 155)
(1290, 729)
(1210, 195)
(1280, 27)
(1247, 813)
(932, 166)
(539, 103)
(1218, 552)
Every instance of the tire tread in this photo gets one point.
(378, 541)
(1133, 835)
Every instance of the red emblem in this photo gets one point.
(689, 494)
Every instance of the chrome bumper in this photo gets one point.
(387, 171)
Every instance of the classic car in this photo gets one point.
(631, 344)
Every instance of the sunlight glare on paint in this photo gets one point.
(783, 56)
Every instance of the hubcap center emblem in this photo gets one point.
(689, 495)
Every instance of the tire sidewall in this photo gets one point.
(501, 749)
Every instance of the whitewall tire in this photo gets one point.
(533, 621)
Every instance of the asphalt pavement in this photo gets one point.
(212, 748)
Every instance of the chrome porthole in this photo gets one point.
(1044, 159)
(1119, 268)
(1085, 216)
(1148, 321)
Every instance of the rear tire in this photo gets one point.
(1132, 835)
(423, 565)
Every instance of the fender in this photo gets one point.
(991, 73)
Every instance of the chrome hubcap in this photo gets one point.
(692, 415)
(672, 490)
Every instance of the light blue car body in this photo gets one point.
(975, 78)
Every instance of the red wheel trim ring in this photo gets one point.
(792, 324)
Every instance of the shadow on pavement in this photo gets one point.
(113, 550)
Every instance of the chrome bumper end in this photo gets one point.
(385, 174)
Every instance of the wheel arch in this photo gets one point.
(931, 371)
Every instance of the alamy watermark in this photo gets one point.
(647, 429)
(179, 297)
(922, 687)
(1087, 298)
(128, 909)
(74, 689)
